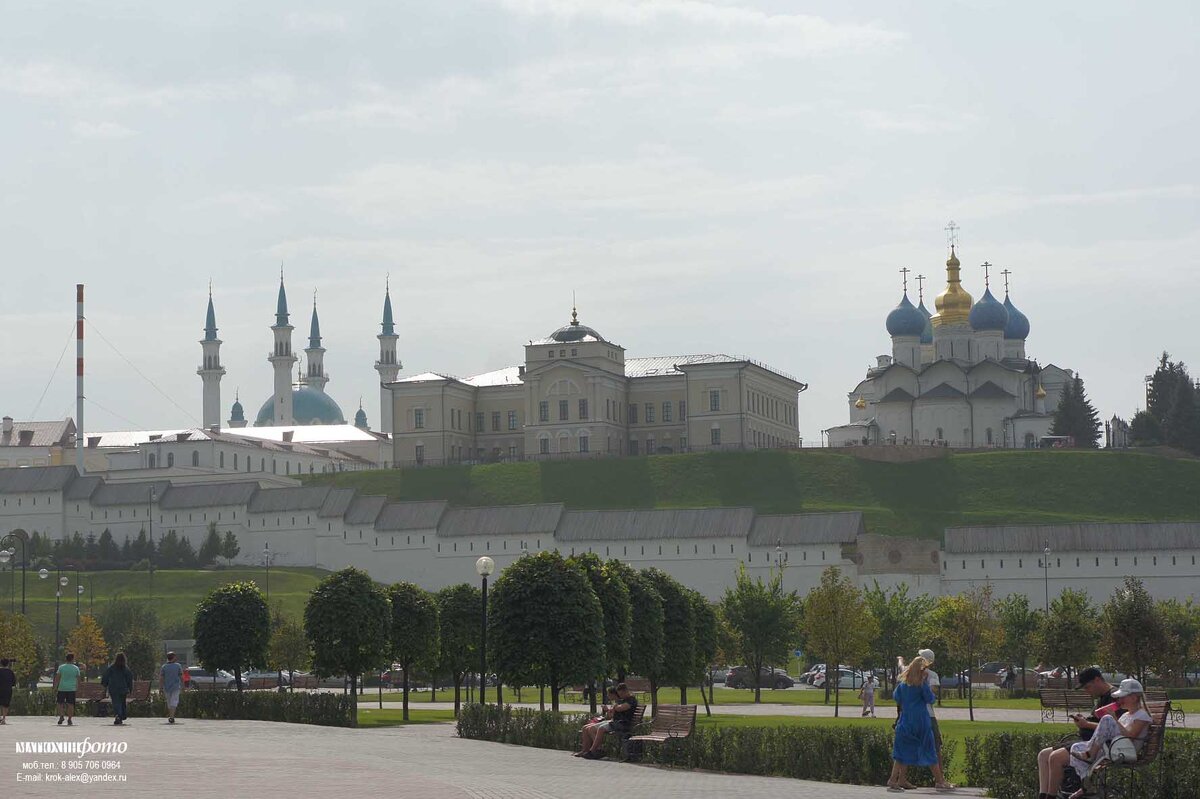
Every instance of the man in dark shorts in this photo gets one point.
(66, 681)
(621, 723)
(7, 681)
(1053, 759)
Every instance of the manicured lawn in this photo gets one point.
(392, 717)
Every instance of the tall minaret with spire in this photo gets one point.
(210, 370)
(388, 365)
(314, 353)
(281, 359)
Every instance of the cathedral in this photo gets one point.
(298, 399)
(959, 377)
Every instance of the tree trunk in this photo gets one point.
(591, 690)
(542, 697)
(654, 696)
(405, 666)
(554, 694)
(433, 690)
(621, 675)
(707, 709)
(970, 689)
(291, 681)
(499, 692)
(837, 694)
(354, 695)
(457, 694)
(683, 694)
(237, 677)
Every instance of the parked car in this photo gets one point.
(265, 675)
(198, 676)
(743, 677)
(720, 675)
(847, 678)
(953, 681)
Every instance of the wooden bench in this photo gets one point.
(670, 722)
(261, 683)
(1066, 700)
(1102, 771)
(96, 694)
(305, 682)
(639, 714)
(1157, 696)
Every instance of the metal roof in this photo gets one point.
(508, 376)
(634, 525)
(44, 434)
(364, 510)
(205, 495)
(35, 478)
(990, 390)
(307, 433)
(337, 502)
(83, 488)
(509, 520)
(943, 391)
(896, 395)
(277, 500)
(807, 528)
(1096, 537)
(411, 515)
(113, 494)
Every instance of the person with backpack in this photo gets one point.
(118, 679)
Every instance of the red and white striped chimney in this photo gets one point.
(79, 437)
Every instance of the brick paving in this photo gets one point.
(262, 759)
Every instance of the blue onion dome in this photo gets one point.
(1018, 323)
(905, 319)
(237, 414)
(927, 333)
(988, 313)
(360, 419)
(309, 406)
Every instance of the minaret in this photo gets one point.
(314, 353)
(210, 370)
(281, 360)
(388, 364)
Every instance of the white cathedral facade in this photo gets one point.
(959, 377)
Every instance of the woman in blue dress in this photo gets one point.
(913, 744)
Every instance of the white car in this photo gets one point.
(847, 678)
(199, 677)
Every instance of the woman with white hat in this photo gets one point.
(1134, 725)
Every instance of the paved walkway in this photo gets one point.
(200, 759)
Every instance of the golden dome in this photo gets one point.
(860, 403)
(1040, 393)
(954, 303)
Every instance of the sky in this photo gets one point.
(735, 177)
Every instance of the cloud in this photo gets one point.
(315, 22)
(923, 119)
(101, 130)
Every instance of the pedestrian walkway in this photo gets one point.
(202, 759)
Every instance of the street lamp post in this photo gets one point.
(5, 557)
(267, 560)
(19, 535)
(484, 567)
(150, 554)
(1046, 574)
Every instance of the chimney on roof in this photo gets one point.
(93, 442)
(288, 434)
(521, 371)
(181, 436)
(7, 426)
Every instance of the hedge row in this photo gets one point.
(322, 709)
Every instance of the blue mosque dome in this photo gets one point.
(360, 419)
(309, 406)
(927, 333)
(237, 414)
(1018, 323)
(905, 319)
(988, 313)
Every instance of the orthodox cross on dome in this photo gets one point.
(920, 287)
(904, 276)
(1006, 273)
(951, 234)
(987, 277)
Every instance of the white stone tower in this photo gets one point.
(281, 359)
(210, 370)
(388, 365)
(314, 353)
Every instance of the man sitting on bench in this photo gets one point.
(1052, 760)
(620, 723)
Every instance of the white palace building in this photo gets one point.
(434, 545)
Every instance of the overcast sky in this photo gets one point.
(745, 178)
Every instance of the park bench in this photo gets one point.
(305, 682)
(628, 752)
(1066, 700)
(1157, 696)
(95, 695)
(1101, 782)
(670, 722)
(261, 683)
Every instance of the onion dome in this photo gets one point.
(860, 403)
(360, 418)
(927, 332)
(954, 303)
(237, 414)
(1041, 392)
(1018, 323)
(905, 319)
(988, 313)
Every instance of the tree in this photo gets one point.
(229, 547)
(839, 626)
(1070, 634)
(1019, 624)
(613, 594)
(545, 624)
(705, 617)
(88, 644)
(288, 649)
(968, 629)
(142, 651)
(1145, 430)
(17, 643)
(121, 616)
(1075, 416)
(232, 628)
(679, 636)
(1131, 629)
(107, 548)
(459, 609)
(646, 628)
(210, 550)
(187, 555)
(1164, 386)
(414, 631)
(899, 618)
(348, 621)
(1180, 651)
(1181, 425)
(763, 618)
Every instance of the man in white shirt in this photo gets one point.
(935, 684)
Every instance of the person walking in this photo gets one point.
(867, 695)
(8, 680)
(913, 744)
(66, 682)
(118, 679)
(172, 683)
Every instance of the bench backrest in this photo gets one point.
(304, 681)
(141, 690)
(262, 683)
(89, 691)
(676, 719)
(1155, 695)
(1066, 699)
(1158, 726)
(639, 685)
(1056, 682)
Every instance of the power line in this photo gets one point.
(141, 374)
(111, 412)
(54, 373)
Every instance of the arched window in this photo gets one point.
(195, 457)
(989, 436)
(1029, 440)
(170, 459)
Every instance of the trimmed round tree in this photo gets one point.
(679, 636)
(459, 607)
(414, 630)
(613, 594)
(347, 621)
(646, 628)
(545, 624)
(232, 628)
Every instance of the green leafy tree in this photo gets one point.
(414, 634)
(348, 622)
(705, 616)
(1180, 651)
(18, 643)
(120, 616)
(210, 550)
(968, 630)
(1164, 386)
(142, 652)
(168, 551)
(899, 617)
(1145, 430)
(679, 636)
(232, 628)
(107, 547)
(459, 609)
(1019, 624)
(839, 625)
(1181, 427)
(88, 644)
(646, 630)
(545, 624)
(229, 547)
(764, 620)
(1075, 416)
(1070, 634)
(613, 594)
(288, 650)
(187, 555)
(1131, 629)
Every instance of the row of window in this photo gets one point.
(262, 463)
(1041, 564)
(456, 420)
(650, 416)
(770, 407)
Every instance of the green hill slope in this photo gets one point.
(914, 499)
